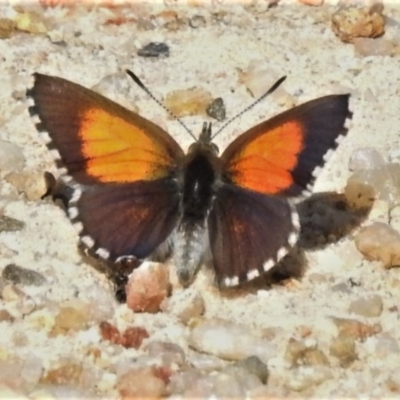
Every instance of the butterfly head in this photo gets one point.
(203, 143)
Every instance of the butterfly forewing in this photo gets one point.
(97, 139)
(280, 156)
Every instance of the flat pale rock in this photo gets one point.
(229, 340)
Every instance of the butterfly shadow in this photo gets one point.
(325, 219)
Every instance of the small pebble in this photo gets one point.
(356, 329)
(386, 345)
(367, 47)
(365, 158)
(206, 362)
(141, 383)
(256, 79)
(304, 352)
(163, 372)
(184, 380)
(314, 3)
(371, 306)
(176, 25)
(73, 315)
(185, 305)
(107, 382)
(384, 181)
(110, 332)
(6, 316)
(228, 340)
(12, 293)
(379, 242)
(216, 109)
(11, 157)
(165, 17)
(31, 22)
(23, 276)
(197, 21)
(7, 28)
(147, 287)
(32, 369)
(360, 192)
(193, 101)
(222, 16)
(67, 373)
(254, 366)
(154, 49)
(102, 304)
(305, 378)
(132, 337)
(350, 22)
(343, 347)
(42, 319)
(232, 382)
(32, 183)
(169, 353)
(8, 224)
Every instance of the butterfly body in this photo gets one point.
(137, 194)
(198, 186)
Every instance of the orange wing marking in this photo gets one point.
(117, 151)
(265, 164)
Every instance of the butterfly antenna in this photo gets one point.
(143, 87)
(268, 92)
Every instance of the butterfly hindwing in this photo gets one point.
(281, 155)
(249, 233)
(126, 220)
(97, 139)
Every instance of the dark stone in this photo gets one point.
(216, 109)
(254, 366)
(197, 21)
(154, 49)
(8, 224)
(24, 276)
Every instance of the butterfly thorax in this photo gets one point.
(199, 179)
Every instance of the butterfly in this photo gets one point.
(138, 195)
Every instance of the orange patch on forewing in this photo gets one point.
(117, 151)
(265, 164)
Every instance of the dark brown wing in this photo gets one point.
(126, 220)
(249, 233)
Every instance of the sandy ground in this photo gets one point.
(289, 39)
